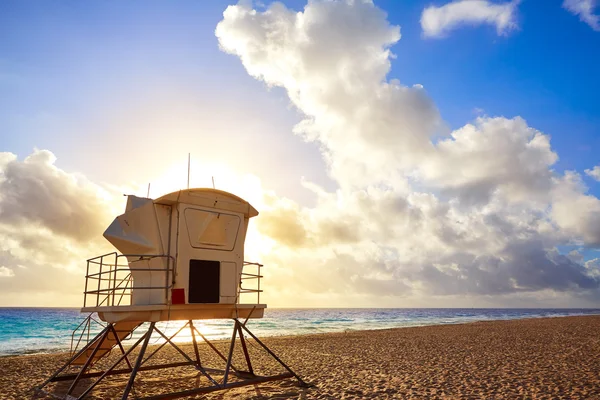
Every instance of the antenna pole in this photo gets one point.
(188, 182)
(213, 179)
(148, 194)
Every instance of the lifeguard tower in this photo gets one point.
(180, 257)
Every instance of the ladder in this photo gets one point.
(106, 342)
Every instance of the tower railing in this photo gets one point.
(253, 277)
(85, 329)
(108, 280)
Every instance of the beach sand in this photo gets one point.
(548, 358)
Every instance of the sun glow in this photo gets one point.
(202, 174)
(205, 174)
(212, 330)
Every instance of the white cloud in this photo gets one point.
(477, 213)
(6, 272)
(594, 172)
(337, 78)
(417, 218)
(51, 221)
(35, 192)
(492, 156)
(439, 21)
(585, 10)
(575, 212)
(593, 266)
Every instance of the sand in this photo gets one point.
(549, 358)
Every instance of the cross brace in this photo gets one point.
(244, 377)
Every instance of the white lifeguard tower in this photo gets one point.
(181, 257)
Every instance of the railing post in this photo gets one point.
(109, 294)
(114, 283)
(167, 282)
(87, 273)
(99, 280)
(89, 326)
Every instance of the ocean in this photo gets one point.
(43, 330)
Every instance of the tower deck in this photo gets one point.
(163, 312)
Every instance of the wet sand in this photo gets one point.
(549, 358)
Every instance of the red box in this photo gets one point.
(178, 296)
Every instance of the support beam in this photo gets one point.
(107, 372)
(244, 348)
(138, 363)
(274, 355)
(243, 378)
(89, 360)
(191, 392)
(113, 330)
(197, 364)
(212, 346)
(163, 344)
(68, 363)
(231, 348)
(195, 343)
(69, 377)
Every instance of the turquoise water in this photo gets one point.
(39, 330)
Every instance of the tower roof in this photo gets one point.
(212, 198)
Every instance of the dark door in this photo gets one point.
(205, 278)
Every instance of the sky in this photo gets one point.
(401, 153)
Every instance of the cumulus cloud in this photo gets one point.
(593, 266)
(337, 78)
(35, 192)
(574, 211)
(416, 214)
(51, 221)
(585, 10)
(594, 172)
(439, 21)
(493, 156)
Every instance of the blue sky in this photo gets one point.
(122, 91)
(546, 71)
(74, 82)
(68, 66)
